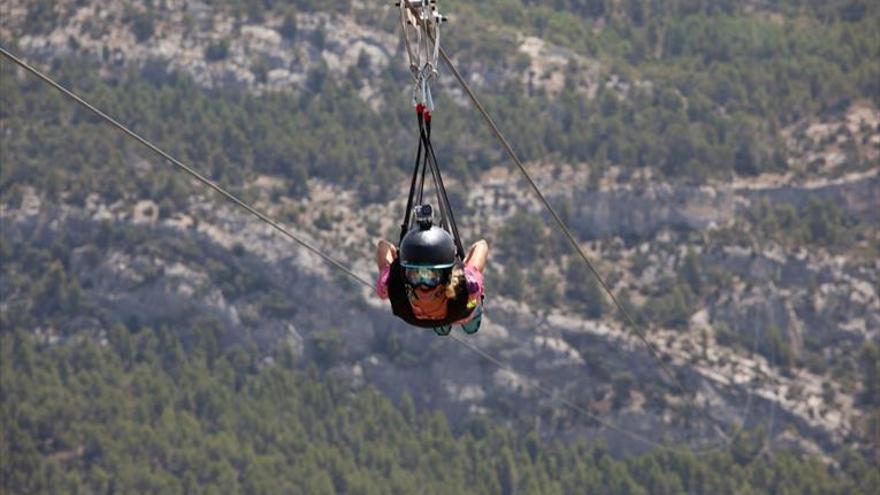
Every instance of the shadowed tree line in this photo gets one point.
(142, 413)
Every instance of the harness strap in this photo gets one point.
(404, 227)
(424, 165)
(425, 133)
(426, 161)
(420, 171)
(442, 197)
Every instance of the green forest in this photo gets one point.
(139, 413)
(136, 409)
(723, 83)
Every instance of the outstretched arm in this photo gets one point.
(386, 253)
(477, 255)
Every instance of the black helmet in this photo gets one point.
(426, 246)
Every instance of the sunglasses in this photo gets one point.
(428, 277)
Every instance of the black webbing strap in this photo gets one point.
(442, 197)
(426, 162)
(424, 172)
(404, 227)
(435, 174)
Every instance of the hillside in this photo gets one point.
(137, 414)
(719, 160)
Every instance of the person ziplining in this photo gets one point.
(429, 279)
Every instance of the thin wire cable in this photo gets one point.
(189, 170)
(550, 393)
(652, 350)
(299, 241)
(549, 207)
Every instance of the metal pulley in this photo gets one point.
(420, 27)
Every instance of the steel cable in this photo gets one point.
(261, 216)
(652, 350)
(189, 170)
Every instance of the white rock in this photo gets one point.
(511, 381)
(145, 212)
(465, 393)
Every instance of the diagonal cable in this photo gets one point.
(189, 170)
(229, 196)
(570, 404)
(636, 329)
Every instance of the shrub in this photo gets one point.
(217, 51)
(142, 26)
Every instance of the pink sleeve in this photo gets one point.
(474, 280)
(382, 283)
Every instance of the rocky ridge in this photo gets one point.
(639, 228)
(547, 350)
(265, 54)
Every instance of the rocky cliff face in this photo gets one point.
(765, 310)
(211, 46)
(296, 301)
(217, 48)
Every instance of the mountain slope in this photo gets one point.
(737, 225)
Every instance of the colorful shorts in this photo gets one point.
(470, 327)
(473, 325)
